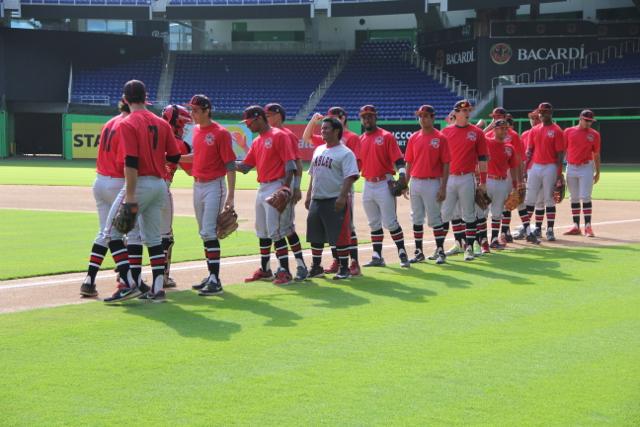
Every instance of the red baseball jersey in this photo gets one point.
(581, 144)
(150, 139)
(466, 144)
(184, 148)
(110, 161)
(427, 153)
(350, 139)
(172, 167)
(512, 138)
(212, 151)
(546, 142)
(295, 142)
(502, 157)
(269, 153)
(377, 153)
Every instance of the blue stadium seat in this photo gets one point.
(624, 68)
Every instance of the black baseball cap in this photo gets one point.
(588, 115)
(498, 112)
(337, 112)
(368, 109)
(201, 101)
(276, 108)
(463, 103)
(545, 106)
(425, 110)
(501, 123)
(134, 92)
(252, 113)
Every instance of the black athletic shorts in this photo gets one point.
(325, 225)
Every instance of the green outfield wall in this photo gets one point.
(4, 135)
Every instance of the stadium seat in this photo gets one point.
(624, 68)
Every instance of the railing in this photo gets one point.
(144, 3)
(95, 99)
(236, 2)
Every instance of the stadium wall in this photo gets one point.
(81, 134)
(4, 137)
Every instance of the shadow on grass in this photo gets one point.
(328, 296)
(432, 272)
(387, 288)
(187, 323)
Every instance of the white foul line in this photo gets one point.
(81, 276)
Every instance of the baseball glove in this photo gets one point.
(522, 193)
(513, 200)
(482, 199)
(227, 222)
(559, 189)
(397, 187)
(125, 219)
(280, 198)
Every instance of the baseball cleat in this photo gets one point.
(354, 269)
(213, 287)
(260, 274)
(485, 247)
(169, 282)
(404, 261)
(88, 290)
(201, 285)
(551, 237)
(434, 255)
(376, 262)
(301, 273)
(158, 297)
(497, 244)
(124, 293)
(455, 250)
(419, 257)
(537, 232)
(531, 238)
(477, 249)
(442, 257)
(502, 239)
(283, 277)
(508, 238)
(520, 233)
(316, 272)
(468, 254)
(335, 267)
(588, 231)
(574, 231)
(342, 274)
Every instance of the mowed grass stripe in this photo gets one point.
(37, 243)
(616, 182)
(537, 336)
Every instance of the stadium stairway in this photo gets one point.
(166, 79)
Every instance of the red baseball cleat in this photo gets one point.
(588, 231)
(574, 231)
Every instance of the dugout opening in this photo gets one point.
(38, 134)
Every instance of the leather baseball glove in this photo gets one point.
(125, 219)
(513, 200)
(280, 198)
(227, 222)
(522, 193)
(397, 187)
(482, 198)
(559, 189)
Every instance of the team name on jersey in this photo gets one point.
(323, 161)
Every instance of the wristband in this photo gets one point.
(483, 178)
(402, 171)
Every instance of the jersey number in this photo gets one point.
(154, 130)
(109, 134)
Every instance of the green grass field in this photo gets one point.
(532, 337)
(62, 249)
(617, 182)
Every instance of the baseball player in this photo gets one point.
(351, 140)
(378, 153)
(109, 181)
(504, 160)
(468, 151)
(213, 160)
(148, 144)
(333, 171)
(427, 156)
(276, 116)
(521, 232)
(545, 151)
(583, 169)
(178, 117)
(275, 161)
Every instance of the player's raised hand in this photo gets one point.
(317, 117)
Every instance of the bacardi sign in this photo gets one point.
(548, 54)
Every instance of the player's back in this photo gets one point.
(149, 138)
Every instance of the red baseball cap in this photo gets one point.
(588, 116)
(545, 106)
(498, 112)
(336, 112)
(368, 109)
(201, 101)
(425, 110)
